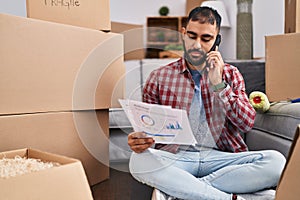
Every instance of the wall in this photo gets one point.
(14, 7)
(136, 11)
(268, 18)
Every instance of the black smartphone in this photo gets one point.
(217, 43)
(213, 48)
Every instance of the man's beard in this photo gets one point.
(194, 61)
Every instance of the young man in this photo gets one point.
(213, 93)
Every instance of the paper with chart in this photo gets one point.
(164, 124)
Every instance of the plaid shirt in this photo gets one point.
(227, 112)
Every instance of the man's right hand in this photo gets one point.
(139, 142)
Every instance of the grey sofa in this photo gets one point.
(272, 130)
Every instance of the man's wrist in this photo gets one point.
(219, 86)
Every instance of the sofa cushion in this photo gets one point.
(280, 120)
(253, 72)
(275, 129)
(259, 140)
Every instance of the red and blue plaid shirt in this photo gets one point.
(227, 112)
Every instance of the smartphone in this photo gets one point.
(213, 48)
(217, 43)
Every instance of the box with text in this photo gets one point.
(47, 66)
(93, 14)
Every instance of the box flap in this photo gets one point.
(49, 157)
(13, 153)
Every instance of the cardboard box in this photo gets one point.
(298, 16)
(292, 16)
(93, 14)
(82, 135)
(282, 66)
(133, 39)
(47, 66)
(288, 187)
(67, 181)
(190, 4)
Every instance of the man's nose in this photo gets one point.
(197, 43)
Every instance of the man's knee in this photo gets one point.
(144, 162)
(276, 163)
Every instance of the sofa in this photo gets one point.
(273, 129)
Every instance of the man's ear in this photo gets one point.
(183, 30)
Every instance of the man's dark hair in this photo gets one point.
(205, 14)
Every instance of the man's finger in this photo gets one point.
(217, 48)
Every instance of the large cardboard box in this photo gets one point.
(93, 14)
(292, 16)
(288, 187)
(283, 66)
(67, 181)
(48, 66)
(82, 135)
(133, 39)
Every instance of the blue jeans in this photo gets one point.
(208, 174)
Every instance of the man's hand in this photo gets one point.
(216, 65)
(139, 142)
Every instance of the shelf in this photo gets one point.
(162, 31)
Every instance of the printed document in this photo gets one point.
(163, 123)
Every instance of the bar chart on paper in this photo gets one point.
(163, 123)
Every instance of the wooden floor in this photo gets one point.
(121, 186)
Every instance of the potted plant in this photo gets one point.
(163, 11)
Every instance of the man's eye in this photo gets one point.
(192, 37)
(205, 40)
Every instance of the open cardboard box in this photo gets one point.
(67, 181)
(48, 66)
(93, 14)
(82, 135)
(288, 187)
